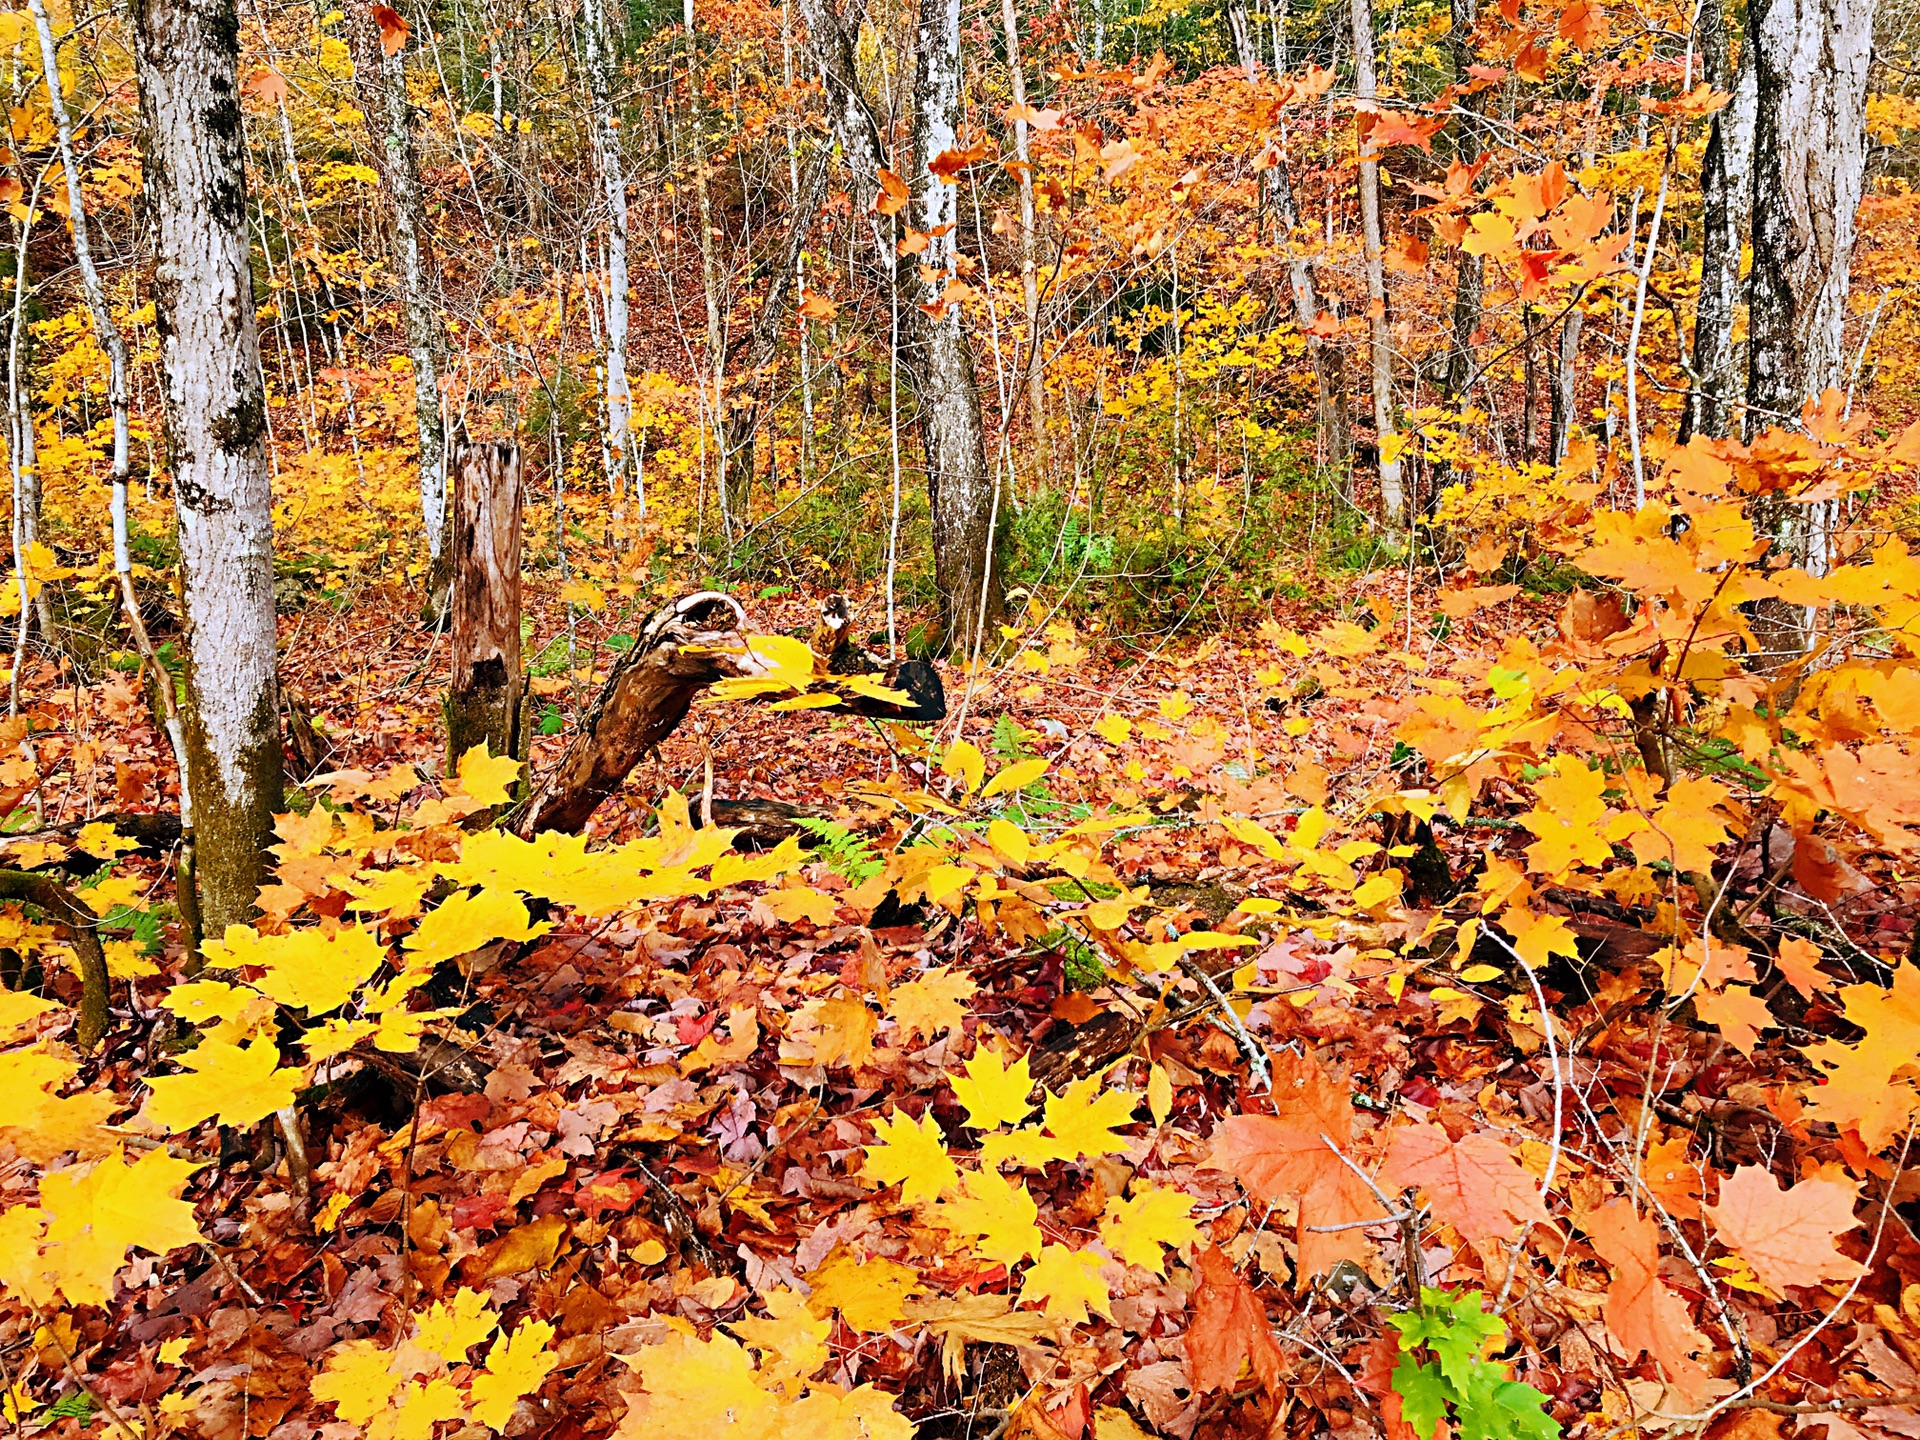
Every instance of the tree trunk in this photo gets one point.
(381, 79)
(1329, 366)
(613, 181)
(1725, 210)
(483, 702)
(1470, 280)
(831, 39)
(935, 352)
(763, 344)
(194, 160)
(727, 484)
(107, 335)
(1029, 270)
(1566, 383)
(1810, 71)
(1393, 498)
(961, 486)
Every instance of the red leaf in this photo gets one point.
(393, 28)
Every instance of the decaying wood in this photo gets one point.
(759, 824)
(483, 702)
(438, 1067)
(73, 917)
(689, 644)
(307, 750)
(677, 654)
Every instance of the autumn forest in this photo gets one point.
(1011, 719)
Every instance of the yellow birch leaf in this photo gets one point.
(1016, 776)
(964, 762)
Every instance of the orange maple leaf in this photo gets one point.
(1475, 1184)
(1292, 1155)
(1642, 1313)
(393, 28)
(1229, 1325)
(1786, 1235)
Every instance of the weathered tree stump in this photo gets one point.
(483, 703)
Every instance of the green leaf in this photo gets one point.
(1423, 1395)
(1497, 1409)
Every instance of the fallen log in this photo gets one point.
(689, 644)
(677, 654)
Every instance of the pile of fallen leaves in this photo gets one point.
(1496, 1016)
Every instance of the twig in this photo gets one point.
(1828, 1407)
(1257, 1069)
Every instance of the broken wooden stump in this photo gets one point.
(678, 653)
(484, 700)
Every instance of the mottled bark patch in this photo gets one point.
(243, 425)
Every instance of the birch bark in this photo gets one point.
(613, 180)
(1393, 498)
(1809, 147)
(381, 79)
(107, 335)
(1725, 195)
(194, 163)
(960, 485)
(1029, 268)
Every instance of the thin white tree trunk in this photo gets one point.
(1726, 208)
(107, 335)
(613, 180)
(1393, 498)
(960, 485)
(194, 161)
(1029, 269)
(382, 81)
(710, 283)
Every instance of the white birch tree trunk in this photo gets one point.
(194, 162)
(107, 334)
(960, 485)
(1393, 497)
(1810, 156)
(382, 81)
(1726, 196)
(613, 181)
(1029, 269)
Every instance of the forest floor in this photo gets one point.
(660, 1115)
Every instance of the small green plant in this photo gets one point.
(1007, 744)
(1444, 1343)
(846, 854)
